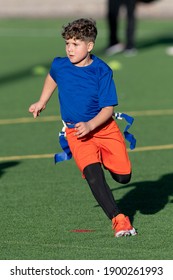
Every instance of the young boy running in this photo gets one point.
(87, 96)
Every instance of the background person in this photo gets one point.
(115, 46)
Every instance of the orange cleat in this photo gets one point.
(122, 226)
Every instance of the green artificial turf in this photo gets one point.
(42, 203)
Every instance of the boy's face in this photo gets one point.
(78, 50)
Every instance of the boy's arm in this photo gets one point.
(47, 91)
(104, 115)
(83, 128)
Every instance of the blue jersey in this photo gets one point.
(83, 91)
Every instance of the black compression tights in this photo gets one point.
(100, 189)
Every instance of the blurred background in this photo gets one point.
(66, 8)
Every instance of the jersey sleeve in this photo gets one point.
(107, 89)
(53, 69)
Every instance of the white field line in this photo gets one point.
(146, 113)
(44, 156)
(29, 120)
(23, 157)
(58, 118)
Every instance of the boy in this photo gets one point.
(87, 97)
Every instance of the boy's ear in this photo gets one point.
(90, 46)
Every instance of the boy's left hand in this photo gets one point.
(82, 129)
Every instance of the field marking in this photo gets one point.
(152, 148)
(30, 120)
(9, 158)
(146, 113)
(43, 156)
(151, 113)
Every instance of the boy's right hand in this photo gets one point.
(36, 109)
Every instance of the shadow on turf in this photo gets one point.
(4, 166)
(147, 197)
(159, 40)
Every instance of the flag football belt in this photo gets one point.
(66, 154)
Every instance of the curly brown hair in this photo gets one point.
(83, 29)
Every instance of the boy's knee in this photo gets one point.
(120, 178)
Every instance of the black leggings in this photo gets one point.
(100, 189)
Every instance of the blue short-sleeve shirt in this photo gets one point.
(83, 91)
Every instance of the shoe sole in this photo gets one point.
(114, 50)
(126, 233)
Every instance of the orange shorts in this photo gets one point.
(105, 145)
